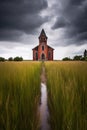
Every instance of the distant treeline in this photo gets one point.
(17, 58)
(77, 57)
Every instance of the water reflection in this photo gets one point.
(44, 108)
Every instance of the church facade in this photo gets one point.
(43, 51)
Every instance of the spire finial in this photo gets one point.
(42, 33)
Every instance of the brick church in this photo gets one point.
(42, 51)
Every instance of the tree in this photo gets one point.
(10, 59)
(83, 59)
(77, 57)
(86, 59)
(2, 59)
(21, 59)
(18, 59)
(85, 53)
(66, 59)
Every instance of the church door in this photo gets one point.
(43, 56)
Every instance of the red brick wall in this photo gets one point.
(40, 51)
(50, 50)
(45, 52)
(34, 54)
(43, 42)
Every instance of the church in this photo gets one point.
(43, 51)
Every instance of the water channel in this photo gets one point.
(43, 108)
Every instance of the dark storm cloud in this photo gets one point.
(10, 35)
(72, 17)
(60, 23)
(75, 2)
(18, 16)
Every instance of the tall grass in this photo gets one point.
(67, 95)
(19, 95)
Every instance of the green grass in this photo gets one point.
(67, 95)
(19, 95)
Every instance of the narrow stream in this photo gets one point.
(44, 113)
(44, 108)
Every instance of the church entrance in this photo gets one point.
(42, 57)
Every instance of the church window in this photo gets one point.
(43, 57)
(42, 48)
(36, 56)
(49, 54)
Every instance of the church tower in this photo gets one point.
(43, 51)
(43, 37)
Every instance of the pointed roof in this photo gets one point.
(35, 48)
(50, 47)
(42, 33)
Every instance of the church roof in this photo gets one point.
(50, 47)
(42, 33)
(36, 48)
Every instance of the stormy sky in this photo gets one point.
(64, 21)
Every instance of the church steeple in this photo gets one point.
(43, 51)
(42, 37)
(42, 33)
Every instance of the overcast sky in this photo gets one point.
(64, 21)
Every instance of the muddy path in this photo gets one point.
(43, 109)
(43, 75)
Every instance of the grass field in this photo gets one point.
(67, 95)
(19, 95)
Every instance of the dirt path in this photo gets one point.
(43, 75)
(44, 112)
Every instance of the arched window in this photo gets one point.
(36, 55)
(43, 56)
(49, 54)
(42, 48)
